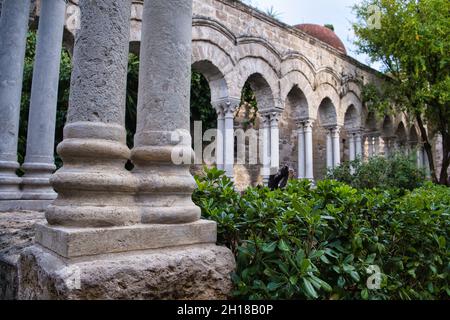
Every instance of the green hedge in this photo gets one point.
(396, 171)
(324, 242)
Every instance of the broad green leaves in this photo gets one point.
(326, 242)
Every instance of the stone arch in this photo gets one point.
(263, 80)
(401, 134)
(326, 92)
(387, 129)
(371, 124)
(297, 79)
(260, 52)
(326, 119)
(326, 113)
(297, 63)
(351, 103)
(296, 107)
(413, 135)
(352, 118)
(259, 47)
(328, 76)
(210, 61)
(352, 122)
(210, 31)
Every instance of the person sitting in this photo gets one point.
(279, 180)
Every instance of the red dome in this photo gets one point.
(323, 34)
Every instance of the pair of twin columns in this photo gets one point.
(93, 186)
(269, 139)
(39, 160)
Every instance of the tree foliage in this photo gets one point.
(413, 45)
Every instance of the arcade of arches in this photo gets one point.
(104, 221)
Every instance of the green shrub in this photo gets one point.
(397, 171)
(318, 243)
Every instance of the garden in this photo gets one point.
(386, 238)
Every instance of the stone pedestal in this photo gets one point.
(191, 272)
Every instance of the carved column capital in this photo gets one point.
(274, 119)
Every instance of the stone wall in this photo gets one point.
(290, 71)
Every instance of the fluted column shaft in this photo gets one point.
(162, 132)
(94, 189)
(13, 31)
(39, 160)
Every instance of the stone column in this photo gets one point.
(39, 160)
(265, 147)
(336, 147)
(301, 150)
(329, 149)
(13, 32)
(274, 142)
(163, 122)
(376, 146)
(309, 165)
(358, 143)
(112, 233)
(229, 139)
(386, 146)
(419, 156)
(94, 149)
(371, 145)
(220, 137)
(351, 149)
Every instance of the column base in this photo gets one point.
(72, 242)
(24, 205)
(36, 181)
(191, 272)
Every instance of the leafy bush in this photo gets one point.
(397, 171)
(319, 242)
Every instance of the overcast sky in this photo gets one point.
(335, 12)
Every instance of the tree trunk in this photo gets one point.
(427, 147)
(443, 179)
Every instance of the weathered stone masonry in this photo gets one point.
(140, 230)
(292, 74)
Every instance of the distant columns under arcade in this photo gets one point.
(333, 147)
(305, 149)
(39, 160)
(13, 32)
